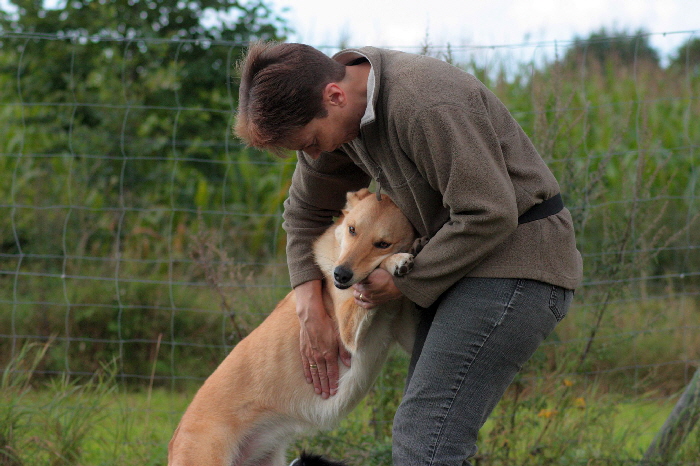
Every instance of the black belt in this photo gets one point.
(544, 209)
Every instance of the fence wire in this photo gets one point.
(135, 228)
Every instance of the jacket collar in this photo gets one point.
(370, 53)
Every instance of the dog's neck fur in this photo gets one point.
(350, 323)
(328, 242)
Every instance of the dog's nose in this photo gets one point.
(342, 275)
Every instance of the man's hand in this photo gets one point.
(319, 342)
(378, 288)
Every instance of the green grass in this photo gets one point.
(607, 429)
(542, 420)
(130, 428)
(620, 141)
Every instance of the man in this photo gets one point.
(499, 263)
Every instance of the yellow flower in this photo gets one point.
(547, 413)
(568, 383)
(580, 403)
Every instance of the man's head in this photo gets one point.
(283, 88)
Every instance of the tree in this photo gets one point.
(619, 48)
(129, 101)
(688, 57)
(164, 19)
(149, 59)
(115, 132)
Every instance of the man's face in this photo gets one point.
(326, 134)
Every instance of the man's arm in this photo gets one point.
(318, 192)
(319, 342)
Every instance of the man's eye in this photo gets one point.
(351, 230)
(381, 245)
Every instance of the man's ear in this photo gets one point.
(333, 94)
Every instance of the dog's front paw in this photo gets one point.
(399, 264)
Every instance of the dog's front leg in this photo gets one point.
(398, 264)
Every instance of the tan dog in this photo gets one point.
(257, 400)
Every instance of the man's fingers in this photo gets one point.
(316, 378)
(306, 366)
(321, 372)
(333, 375)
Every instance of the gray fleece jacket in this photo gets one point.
(456, 163)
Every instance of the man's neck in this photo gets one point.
(356, 82)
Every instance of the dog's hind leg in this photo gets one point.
(266, 443)
(194, 446)
(278, 457)
(271, 458)
(220, 451)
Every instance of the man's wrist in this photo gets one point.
(306, 294)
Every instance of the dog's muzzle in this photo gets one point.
(342, 276)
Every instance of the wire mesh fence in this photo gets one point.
(136, 231)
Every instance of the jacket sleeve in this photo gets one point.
(317, 195)
(457, 151)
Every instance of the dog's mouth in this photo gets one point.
(344, 277)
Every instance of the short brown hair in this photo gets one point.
(281, 91)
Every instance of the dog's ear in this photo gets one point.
(354, 197)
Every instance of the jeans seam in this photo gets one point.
(462, 376)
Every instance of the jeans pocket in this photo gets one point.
(560, 301)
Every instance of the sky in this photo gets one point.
(468, 23)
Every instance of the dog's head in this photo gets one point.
(371, 230)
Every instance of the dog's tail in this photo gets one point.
(314, 460)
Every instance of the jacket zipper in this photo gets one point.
(377, 169)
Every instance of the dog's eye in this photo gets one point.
(381, 244)
(351, 230)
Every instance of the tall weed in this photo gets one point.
(15, 409)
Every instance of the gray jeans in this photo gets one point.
(469, 347)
